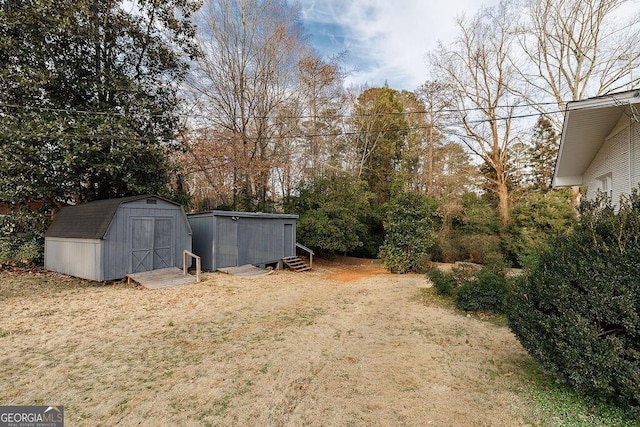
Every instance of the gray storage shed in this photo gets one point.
(228, 239)
(108, 239)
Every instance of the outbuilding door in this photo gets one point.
(288, 240)
(151, 244)
(227, 246)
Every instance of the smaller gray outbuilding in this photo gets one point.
(229, 239)
(108, 239)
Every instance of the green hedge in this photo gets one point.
(577, 311)
(486, 293)
(534, 219)
(22, 239)
(444, 283)
(410, 232)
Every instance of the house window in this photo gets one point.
(604, 185)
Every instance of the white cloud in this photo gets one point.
(387, 40)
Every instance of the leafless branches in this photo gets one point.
(479, 68)
(576, 49)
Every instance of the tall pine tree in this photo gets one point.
(542, 154)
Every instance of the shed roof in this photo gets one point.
(586, 125)
(90, 220)
(245, 214)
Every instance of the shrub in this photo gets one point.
(534, 220)
(486, 293)
(480, 247)
(470, 232)
(334, 214)
(477, 216)
(21, 239)
(577, 311)
(448, 249)
(465, 271)
(494, 261)
(410, 228)
(29, 252)
(444, 283)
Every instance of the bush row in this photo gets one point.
(577, 311)
(482, 291)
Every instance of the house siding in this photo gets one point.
(613, 158)
(635, 154)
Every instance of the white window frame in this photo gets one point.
(605, 184)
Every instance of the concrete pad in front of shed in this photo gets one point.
(162, 278)
(246, 270)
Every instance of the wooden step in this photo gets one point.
(296, 263)
(162, 278)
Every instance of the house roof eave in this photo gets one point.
(586, 125)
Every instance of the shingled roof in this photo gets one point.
(89, 220)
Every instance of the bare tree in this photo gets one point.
(478, 68)
(575, 49)
(244, 79)
(205, 166)
(320, 105)
(437, 101)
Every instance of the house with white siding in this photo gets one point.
(600, 145)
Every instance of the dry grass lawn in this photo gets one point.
(345, 344)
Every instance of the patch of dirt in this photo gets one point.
(352, 269)
(344, 344)
(350, 276)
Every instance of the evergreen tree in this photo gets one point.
(336, 213)
(542, 154)
(536, 218)
(88, 106)
(381, 136)
(88, 97)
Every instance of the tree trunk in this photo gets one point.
(430, 144)
(502, 191)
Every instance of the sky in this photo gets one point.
(385, 40)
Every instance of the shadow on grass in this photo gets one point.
(42, 284)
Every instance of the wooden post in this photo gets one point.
(184, 263)
(186, 253)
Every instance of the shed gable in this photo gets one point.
(89, 220)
